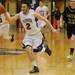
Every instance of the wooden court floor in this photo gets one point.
(56, 64)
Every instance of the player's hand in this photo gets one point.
(54, 30)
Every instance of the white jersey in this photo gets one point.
(29, 22)
(43, 11)
(4, 27)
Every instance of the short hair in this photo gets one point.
(26, 2)
(41, 0)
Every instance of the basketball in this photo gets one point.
(2, 9)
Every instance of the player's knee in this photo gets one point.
(26, 47)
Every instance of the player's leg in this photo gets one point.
(27, 45)
(47, 49)
(37, 47)
(72, 43)
(31, 56)
(71, 37)
(45, 46)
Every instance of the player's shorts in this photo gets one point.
(34, 41)
(4, 30)
(41, 24)
(70, 31)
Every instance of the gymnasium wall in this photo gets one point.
(14, 6)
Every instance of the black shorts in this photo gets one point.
(70, 31)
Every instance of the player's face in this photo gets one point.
(72, 4)
(40, 3)
(24, 8)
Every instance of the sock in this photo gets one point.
(43, 49)
(34, 63)
(71, 51)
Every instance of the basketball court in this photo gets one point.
(14, 60)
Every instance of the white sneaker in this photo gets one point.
(69, 57)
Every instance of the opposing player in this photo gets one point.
(69, 18)
(33, 39)
(4, 26)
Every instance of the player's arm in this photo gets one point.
(61, 21)
(38, 16)
(11, 19)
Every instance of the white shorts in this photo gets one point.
(4, 31)
(34, 41)
(41, 24)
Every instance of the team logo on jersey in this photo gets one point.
(27, 20)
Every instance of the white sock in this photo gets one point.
(43, 49)
(34, 63)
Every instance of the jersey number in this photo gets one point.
(28, 26)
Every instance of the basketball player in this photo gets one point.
(43, 11)
(69, 18)
(4, 28)
(33, 39)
